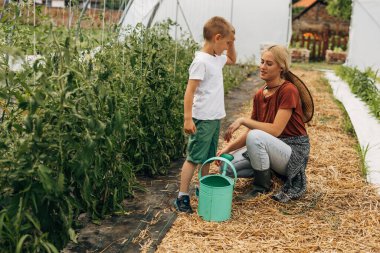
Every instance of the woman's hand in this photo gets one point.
(232, 128)
(222, 151)
(189, 126)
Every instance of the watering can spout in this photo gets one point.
(229, 157)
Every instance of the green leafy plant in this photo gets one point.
(81, 120)
(363, 85)
(363, 164)
(340, 8)
(234, 75)
(76, 128)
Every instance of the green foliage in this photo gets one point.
(81, 121)
(363, 85)
(115, 4)
(297, 10)
(234, 75)
(363, 150)
(340, 8)
(346, 124)
(75, 129)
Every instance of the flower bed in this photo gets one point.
(333, 57)
(300, 55)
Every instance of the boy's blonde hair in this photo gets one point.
(216, 25)
(281, 56)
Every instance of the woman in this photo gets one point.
(276, 138)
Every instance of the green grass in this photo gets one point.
(347, 124)
(349, 129)
(315, 66)
(234, 75)
(362, 155)
(362, 84)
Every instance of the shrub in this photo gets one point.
(76, 129)
(362, 84)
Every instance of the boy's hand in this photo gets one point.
(231, 52)
(232, 40)
(189, 126)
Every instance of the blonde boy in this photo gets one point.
(204, 101)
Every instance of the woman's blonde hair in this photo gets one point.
(281, 56)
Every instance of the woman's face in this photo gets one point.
(269, 68)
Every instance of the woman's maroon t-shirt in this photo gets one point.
(286, 97)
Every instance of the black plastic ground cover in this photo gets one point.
(148, 219)
(150, 214)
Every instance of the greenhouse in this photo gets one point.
(189, 126)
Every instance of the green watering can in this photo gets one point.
(215, 191)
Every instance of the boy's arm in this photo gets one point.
(189, 126)
(231, 52)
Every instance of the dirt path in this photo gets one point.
(339, 213)
(239, 97)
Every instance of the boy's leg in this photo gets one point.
(187, 172)
(205, 169)
(198, 150)
(182, 203)
(202, 145)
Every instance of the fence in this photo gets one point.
(93, 17)
(318, 43)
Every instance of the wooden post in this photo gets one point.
(292, 40)
(332, 42)
(313, 48)
(345, 42)
(308, 42)
(325, 38)
(339, 41)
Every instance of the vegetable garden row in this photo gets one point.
(363, 85)
(76, 127)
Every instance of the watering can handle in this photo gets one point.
(220, 159)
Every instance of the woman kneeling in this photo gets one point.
(276, 138)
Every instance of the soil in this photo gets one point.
(149, 214)
(146, 222)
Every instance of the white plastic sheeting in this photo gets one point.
(257, 23)
(364, 42)
(366, 126)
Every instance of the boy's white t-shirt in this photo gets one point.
(208, 103)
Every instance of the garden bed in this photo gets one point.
(333, 57)
(300, 55)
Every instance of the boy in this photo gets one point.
(204, 102)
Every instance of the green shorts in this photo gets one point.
(203, 144)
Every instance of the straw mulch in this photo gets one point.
(339, 213)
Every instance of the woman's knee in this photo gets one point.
(255, 137)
